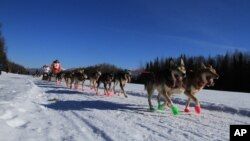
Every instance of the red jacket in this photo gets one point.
(56, 68)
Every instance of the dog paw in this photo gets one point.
(187, 110)
(151, 109)
(161, 107)
(110, 93)
(175, 111)
(198, 109)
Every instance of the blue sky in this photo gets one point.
(126, 33)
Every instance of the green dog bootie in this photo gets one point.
(161, 107)
(175, 110)
(151, 109)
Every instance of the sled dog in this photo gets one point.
(75, 77)
(165, 82)
(93, 78)
(106, 79)
(122, 77)
(196, 81)
(79, 77)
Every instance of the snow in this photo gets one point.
(32, 109)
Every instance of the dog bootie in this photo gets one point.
(161, 107)
(175, 110)
(151, 109)
(187, 110)
(197, 109)
(109, 94)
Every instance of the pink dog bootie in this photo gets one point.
(198, 109)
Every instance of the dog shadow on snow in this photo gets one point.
(46, 84)
(65, 91)
(91, 105)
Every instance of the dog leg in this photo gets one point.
(97, 87)
(96, 90)
(174, 109)
(82, 85)
(114, 87)
(150, 93)
(161, 107)
(76, 85)
(197, 104)
(68, 83)
(107, 92)
(93, 85)
(123, 91)
(187, 110)
(110, 90)
(71, 85)
(105, 89)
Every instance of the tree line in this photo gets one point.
(8, 65)
(233, 68)
(104, 68)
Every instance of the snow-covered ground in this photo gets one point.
(27, 114)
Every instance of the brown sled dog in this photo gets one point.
(68, 78)
(75, 77)
(106, 79)
(164, 82)
(196, 81)
(93, 78)
(79, 78)
(122, 77)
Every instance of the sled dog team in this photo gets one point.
(77, 77)
(174, 80)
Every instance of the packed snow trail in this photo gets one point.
(32, 109)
